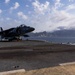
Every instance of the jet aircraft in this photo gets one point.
(16, 32)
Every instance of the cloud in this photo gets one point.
(27, 6)
(40, 7)
(30, 0)
(51, 22)
(58, 4)
(22, 15)
(8, 18)
(45, 16)
(1, 11)
(7, 1)
(54, 19)
(16, 5)
(71, 0)
(70, 7)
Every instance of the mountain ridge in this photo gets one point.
(58, 33)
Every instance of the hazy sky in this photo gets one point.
(43, 15)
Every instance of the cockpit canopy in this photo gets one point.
(23, 25)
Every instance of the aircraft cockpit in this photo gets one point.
(22, 25)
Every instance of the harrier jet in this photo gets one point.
(15, 33)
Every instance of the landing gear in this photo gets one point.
(15, 39)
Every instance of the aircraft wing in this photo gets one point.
(6, 31)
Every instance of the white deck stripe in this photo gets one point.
(69, 63)
(12, 72)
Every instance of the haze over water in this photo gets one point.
(54, 39)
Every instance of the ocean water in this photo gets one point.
(54, 39)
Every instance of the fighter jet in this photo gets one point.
(16, 32)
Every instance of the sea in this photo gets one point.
(63, 40)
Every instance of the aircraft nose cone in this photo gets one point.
(32, 29)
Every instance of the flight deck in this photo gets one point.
(33, 55)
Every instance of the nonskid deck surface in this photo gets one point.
(35, 46)
(34, 55)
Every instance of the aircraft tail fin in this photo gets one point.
(1, 34)
(1, 29)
